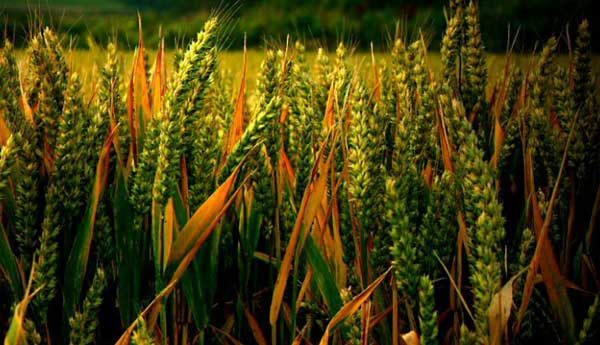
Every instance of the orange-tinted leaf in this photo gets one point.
(428, 174)
(237, 128)
(142, 92)
(377, 87)
(255, 327)
(304, 288)
(133, 123)
(543, 256)
(157, 84)
(287, 169)
(185, 185)
(169, 229)
(499, 137)
(186, 258)
(411, 338)
(300, 337)
(366, 323)
(308, 209)
(329, 120)
(340, 265)
(351, 307)
(27, 110)
(4, 132)
(202, 218)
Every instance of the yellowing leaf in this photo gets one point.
(411, 338)
(157, 87)
(351, 307)
(168, 232)
(499, 137)
(308, 209)
(329, 110)
(304, 288)
(201, 226)
(133, 123)
(237, 128)
(255, 327)
(142, 93)
(544, 257)
(4, 132)
(499, 311)
(202, 218)
(377, 87)
(27, 110)
(287, 171)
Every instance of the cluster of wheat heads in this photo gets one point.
(397, 208)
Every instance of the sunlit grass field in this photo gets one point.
(86, 62)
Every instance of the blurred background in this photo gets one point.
(88, 23)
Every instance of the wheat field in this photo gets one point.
(414, 195)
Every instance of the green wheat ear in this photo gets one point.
(366, 145)
(485, 224)
(184, 102)
(386, 113)
(542, 140)
(403, 197)
(341, 76)
(475, 67)
(66, 192)
(419, 131)
(542, 73)
(9, 90)
(402, 66)
(586, 100)
(27, 170)
(565, 108)
(144, 172)
(322, 76)
(208, 139)
(265, 201)
(440, 224)
(8, 154)
(254, 133)
(267, 80)
(451, 49)
(592, 316)
(582, 78)
(54, 74)
(427, 312)
(303, 122)
(84, 324)
(171, 134)
(110, 100)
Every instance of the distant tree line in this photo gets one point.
(318, 22)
